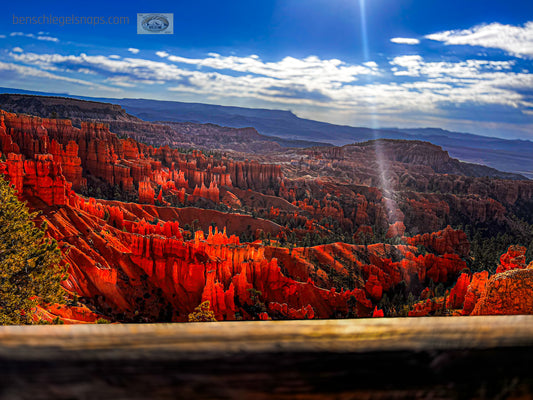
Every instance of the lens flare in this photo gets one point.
(384, 183)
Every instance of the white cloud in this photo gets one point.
(2, 36)
(135, 69)
(31, 35)
(290, 79)
(401, 40)
(410, 85)
(114, 57)
(516, 40)
(133, 50)
(469, 69)
(120, 81)
(34, 72)
(371, 64)
(162, 54)
(479, 82)
(48, 38)
(86, 71)
(310, 74)
(410, 63)
(18, 50)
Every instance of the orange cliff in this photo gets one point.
(443, 242)
(509, 290)
(146, 193)
(41, 178)
(93, 149)
(70, 162)
(115, 263)
(370, 266)
(132, 270)
(506, 292)
(514, 258)
(164, 277)
(123, 268)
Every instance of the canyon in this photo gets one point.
(150, 232)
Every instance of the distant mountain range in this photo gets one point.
(205, 136)
(502, 154)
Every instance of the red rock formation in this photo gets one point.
(457, 294)
(67, 314)
(507, 293)
(131, 269)
(70, 162)
(284, 311)
(41, 178)
(231, 200)
(363, 232)
(212, 192)
(396, 229)
(251, 174)
(475, 290)
(429, 266)
(515, 258)
(377, 313)
(443, 242)
(107, 265)
(374, 287)
(94, 150)
(14, 167)
(146, 192)
(424, 308)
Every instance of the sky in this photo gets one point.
(459, 65)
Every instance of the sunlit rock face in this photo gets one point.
(150, 261)
(509, 291)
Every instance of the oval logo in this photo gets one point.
(155, 23)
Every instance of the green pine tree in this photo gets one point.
(29, 262)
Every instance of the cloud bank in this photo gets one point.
(410, 86)
(516, 40)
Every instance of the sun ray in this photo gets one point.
(384, 183)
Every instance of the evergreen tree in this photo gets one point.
(29, 270)
(202, 313)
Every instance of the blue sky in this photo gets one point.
(465, 66)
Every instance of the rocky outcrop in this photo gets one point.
(67, 156)
(443, 242)
(475, 290)
(112, 267)
(514, 258)
(456, 298)
(252, 175)
(175, 134)
(92, 150)
(142, 262)
(427, 307)
(507, 293)
(423, 154)
(212, 192)
(396, 229)
(146, 193)
(41, 178)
